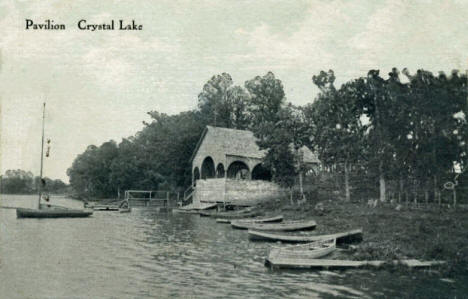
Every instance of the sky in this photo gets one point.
(100, 85)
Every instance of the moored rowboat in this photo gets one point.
(270, 219)
(282, 226)
(239, 214)
(198, 206)
(222, 220)
(343, 237)
(226, 214)
(185, 211)
(278, 218)
(52, 213)
(313, 250)
(105, 208)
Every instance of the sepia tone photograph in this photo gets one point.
(233, 149)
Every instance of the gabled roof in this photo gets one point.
(232, 142)
(241, 143)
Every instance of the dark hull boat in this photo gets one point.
(241, 216)
(237, 214)
(52, 213)
(282, 226)
(247, 220)
(185, 211)
(344, 237)
(106, 208)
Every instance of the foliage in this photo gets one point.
(412, 132)
(157, 157)
(23, 182)
(384, 130)
(279, 128)
(222, 104)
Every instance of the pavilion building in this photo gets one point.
(227, 168)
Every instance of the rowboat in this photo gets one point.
(106, 208)
(222, 220)
(343, 237)
(243, 213)
(282, 226)
(185, 211)
(199, 206)
(206, 213)
(278, 218)
(242, 216)
(313, 250)
(52, 212)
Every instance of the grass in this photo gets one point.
(424, 233)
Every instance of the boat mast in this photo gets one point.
(42, 157)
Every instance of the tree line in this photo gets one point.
(17, 181)
(409, 136)
(404, 133)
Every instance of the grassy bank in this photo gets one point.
(425, 233)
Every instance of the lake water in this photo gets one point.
(146, 254)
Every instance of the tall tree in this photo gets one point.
(338, 130)
(266, 99)
(379, 109)
(436, 102)
(222, 104)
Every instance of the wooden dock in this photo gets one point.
(160, 200)
(324, 264)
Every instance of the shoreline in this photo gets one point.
(424, 233)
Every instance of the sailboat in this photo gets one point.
(47, 210)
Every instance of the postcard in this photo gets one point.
(233, 149)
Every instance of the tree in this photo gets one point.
(17, 181)
(337, 128)
(437, 131)
(222, 104)
(295, 133)
(379, 110)
(23, 182)
(266, 100)
(278, 128)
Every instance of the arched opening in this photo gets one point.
(207, 168)
(261, 173)
(220, 171)
(238, 170)
(196, 175)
